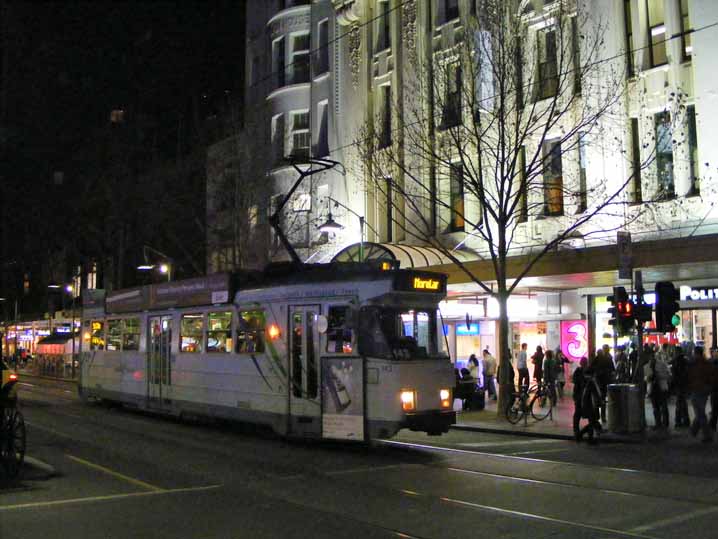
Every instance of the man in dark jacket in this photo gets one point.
(701, 379)
(585, 402)
(680, 388)
(605, 374)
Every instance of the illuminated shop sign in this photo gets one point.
(415, 281)
(425, 284)
(472, 329)
(574, 339)
(698, 294)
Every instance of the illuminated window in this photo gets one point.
(117, 116)
(219, 332)
(340, 335)
(191, 333)
(131, 334)
(656, 32)
(250, 332)
(301, 138)
(114, 335)
(553, 178)
(522, 207)
(664, 155)
(456, 198)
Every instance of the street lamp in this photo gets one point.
(165, 268)
(332, 226)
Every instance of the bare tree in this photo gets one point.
(495, 132)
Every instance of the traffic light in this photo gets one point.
(622, 310)
(666, 306)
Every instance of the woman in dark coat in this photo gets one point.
(537, 360)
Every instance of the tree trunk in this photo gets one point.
(505, 378)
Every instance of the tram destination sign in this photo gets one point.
(191, 292)
(420, 281)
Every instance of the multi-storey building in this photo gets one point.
(323, 74)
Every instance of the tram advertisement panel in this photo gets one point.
(343, 398)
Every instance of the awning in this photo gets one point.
(55, 338)
(408, 256)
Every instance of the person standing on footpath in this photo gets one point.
(490, 373)
(657, 377)
(550, 367)
(473, 366)
(605, 373)
(585, 402)
(561, 362)
(714, 391)
(523, 367)
(537, 361)
(680, 388)
(701, 378)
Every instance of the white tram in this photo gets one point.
(343, 350)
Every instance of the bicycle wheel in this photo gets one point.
(515, 409)
(541, 406)
(12, 441)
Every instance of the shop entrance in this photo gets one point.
(531, 333)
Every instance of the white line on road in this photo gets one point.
(675, 520)
(532, 516)
(519, 442)
(113, 473)
(372, 469)
(537, 451)
(93, 499)
(40, 465)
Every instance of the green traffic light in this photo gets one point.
(676, 320)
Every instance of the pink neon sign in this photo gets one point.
(574, 339)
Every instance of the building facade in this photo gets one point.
(322, 76)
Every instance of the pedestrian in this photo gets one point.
(714, 391)
(701, 378)
(680, 388)
(473, 366)
(623, 374)
(550, 367)
(585, 401)
(605, 373)
(657, 377)
(490, 373)
(561, 362)
(537, 361)
(523, 368)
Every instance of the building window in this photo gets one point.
(576, 42)
(97, 335)
(301, 138)
(630, 69)
(114, 335)
(519, 67)
(451, 10)
(300, 58)
(278, 138)
(522, 207)
(92, 276)
(322, 55)
(385, 127)
(339, 332)
(278, 62)
(547, 64)
(635, 195)
(686, 30)
(656, 32)
(582, 186)
(553, 178)
(191, 333)
(389, 201)
(451, 113)
(693, 150)
(219, 332)
(131, 334)
(322, 148)
(664, 155)
(383, 29)
(250, 332)
(117, 116)
(456, 198)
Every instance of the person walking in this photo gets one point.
(490, 374)
(623, 371)
(701, 378)
(680, 388)
(657, 377)
(473, 366)
(523, 367)
(550, 367)
(605, 372)
(537, 361)
(561, 362)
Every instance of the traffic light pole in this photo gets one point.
(639, 330)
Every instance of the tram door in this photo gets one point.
(304, 388)
(159, 361)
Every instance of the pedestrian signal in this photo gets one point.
(667, 306)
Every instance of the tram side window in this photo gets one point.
(219, 332)
(114, 335)
(131, 334)
(97, 336)
(339, 331)
(191, 333)
(250, 332)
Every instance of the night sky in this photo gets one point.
(67, 65)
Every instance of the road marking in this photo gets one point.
(93, 499)
(44, 466)
(25, 384)
(118, 475)
(371, 469)
(519, 442)
(537, 451)
(552, 520)
(675, 520)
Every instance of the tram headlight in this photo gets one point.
(445, 396)
(408, 400)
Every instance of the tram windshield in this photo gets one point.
(398, 333)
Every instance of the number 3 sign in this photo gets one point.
(574, 339)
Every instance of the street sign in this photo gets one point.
(625, 254)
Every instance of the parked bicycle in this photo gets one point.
(537, 400)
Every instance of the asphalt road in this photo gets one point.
(106, 472)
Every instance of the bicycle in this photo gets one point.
(540, 406)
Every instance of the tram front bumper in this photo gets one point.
(432, 422)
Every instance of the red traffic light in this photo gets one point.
(625, 308)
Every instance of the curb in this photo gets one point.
(48, 469)
(609, 438)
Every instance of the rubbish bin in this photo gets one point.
(625, 409)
